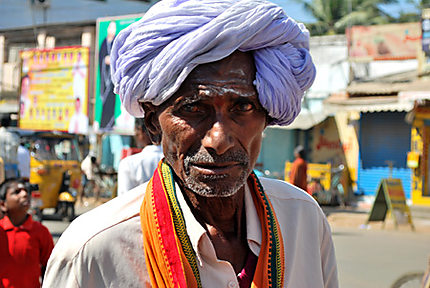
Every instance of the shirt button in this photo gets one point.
(232, 284)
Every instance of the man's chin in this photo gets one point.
(215, 187)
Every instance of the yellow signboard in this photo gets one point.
(54, 90)
(315, 171)
(390, 199)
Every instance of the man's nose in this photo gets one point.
(219, 138)
(23, 193)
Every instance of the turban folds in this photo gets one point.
(151, 58)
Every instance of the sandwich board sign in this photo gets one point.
(390, 200)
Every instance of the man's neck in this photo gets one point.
(225, 222)
(17, 219)
(224, 213)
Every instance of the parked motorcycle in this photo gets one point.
(335, 195)
(67, 199)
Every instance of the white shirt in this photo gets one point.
(23, 162)
(138, 168)
(103, 248)
(88, 168)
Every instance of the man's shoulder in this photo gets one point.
(151, 149)
(99, 220)
(131, 161)
(39, 227)
(147, 154)
(284, 190)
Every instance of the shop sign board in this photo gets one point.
(109, 114)
(398, 41)
(54, 89)
(390, 200)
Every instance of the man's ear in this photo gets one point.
(3, 206)
(151, 122)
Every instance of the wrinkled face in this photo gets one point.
(212, 127)
(17, 198)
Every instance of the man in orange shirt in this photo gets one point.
(298, 173)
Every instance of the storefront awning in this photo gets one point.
(306, 119)
(368, 104)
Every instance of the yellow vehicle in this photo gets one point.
(55, 168)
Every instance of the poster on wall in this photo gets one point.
(54, 89)
(109, 115)
(384, 42)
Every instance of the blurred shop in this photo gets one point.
(369, 114)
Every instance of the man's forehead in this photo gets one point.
(237, 68)
(233, 75)
(16, 185)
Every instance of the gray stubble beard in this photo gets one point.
(214, 185)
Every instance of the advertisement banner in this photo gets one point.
(384, 42)
(54, 89)
(109, 115)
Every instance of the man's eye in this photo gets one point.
(190, 108)
(244, 107)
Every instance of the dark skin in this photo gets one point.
(16, 204)
(211, 133)
(141, 137)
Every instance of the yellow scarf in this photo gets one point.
(170, 257)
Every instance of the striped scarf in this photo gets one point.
(169, 254)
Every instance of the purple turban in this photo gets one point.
(152, 57)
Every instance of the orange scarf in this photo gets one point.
(170, 257)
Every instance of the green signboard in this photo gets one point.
(108, 113)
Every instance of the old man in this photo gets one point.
(208, 77)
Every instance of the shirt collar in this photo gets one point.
(27, 225)
(197, 234)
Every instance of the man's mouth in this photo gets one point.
(215, 168)
(25, 203)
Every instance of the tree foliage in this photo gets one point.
(334, 16)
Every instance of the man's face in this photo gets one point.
(111, 30)
(212, 127)
(17, 199)
(141, 137)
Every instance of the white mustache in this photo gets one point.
(208, 158)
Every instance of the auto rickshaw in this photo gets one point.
(55, 168)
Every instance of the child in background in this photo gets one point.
(25, 244)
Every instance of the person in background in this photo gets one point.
(24, 160)
(138, 168)
(106, 86)
(89, 168)
(78, 123)
(208, 77)
(25, 245)
(299, 169)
